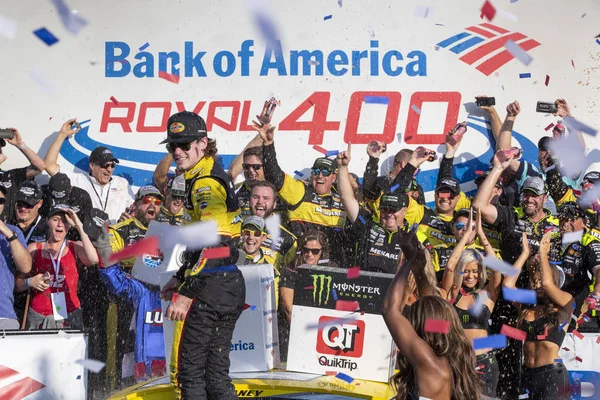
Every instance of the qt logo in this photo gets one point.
(340, 339)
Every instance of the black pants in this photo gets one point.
(547, 382)
(203, 354)
(509, 358)
(488, 371)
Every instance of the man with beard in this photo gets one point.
(109, 193)
(146, 208)
(172, 211)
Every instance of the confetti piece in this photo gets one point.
(566, 349)
(40, 79)
(548, 127)
(309, 287)
(93, 365)
(377, 100)
(508, 15)
(513, 1)
(8, 27)
(578, 359)
(579, 126)
(421, 11)
(437, 326)
(144, 46)
(562, 326)
(523, 396)
(598, 340)
(518, 52)
(492, 341)
(340, 3)
(571, 237)
(168, 77)
(362, 219)
(371, 32)
(194, 236)
(416, 109)
(300, 174)
(488, 11)
(319, 149)
(570, 153)
(216, 252)
(580, 321)
(477, 307)
(496, 264)
(440, 25)
(246, 306)
(347, 305)
(327, 17)
(45, 36)
(334, 294)
(598, 41)
(252, 308)
(443, 195)
(148, 245)
(572, 63)
(344, 377)
(332, 153)
(353, 273)
(525, 296)
(544, 336)
(313, 62)
(514, 333)
(399, 136)
(577, 375)
(547, 80)
(273, 224)
(393, 188)
(330, 373)
(72, 21)
(112, 98)
(578, 334)
(525, 75)
(479, 172)
(437, 48)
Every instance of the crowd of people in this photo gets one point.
(56, 243)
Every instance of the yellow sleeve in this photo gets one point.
(209, 203)
(463, 202)
(414, 212)
(569, 196)
(435, 260)
(116, 241)
(288, 258)
(292, 191)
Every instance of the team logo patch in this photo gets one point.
(153, 260)
(176, 127)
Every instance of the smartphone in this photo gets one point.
(485, 101)
(75, 126)
(268, 110)
(543, 107)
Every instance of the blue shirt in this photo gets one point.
(7, 274)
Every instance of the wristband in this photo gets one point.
(13, 237)
(27, 282)
(22, 146)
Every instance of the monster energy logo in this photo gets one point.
(465, 318)
(321, 283)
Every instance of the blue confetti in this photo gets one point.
(492, 341)
(332, 153)
(440, 25)
(267, 28)
(393, 188)
(226, 268)
(462, 272)
(598, 41)
(45, 36)
(362, 219)
(145, 46)
(377, 100)
(78, 377)
(344, 377)
(340, 3)
(525, 75)
(525, 296)
(416, 109)
(327, 17)
(300, 174)
(334, 294)
(562, 326)
(557, 360)
(252, 308)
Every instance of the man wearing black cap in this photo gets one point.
(172, 211)
(27, 216)
(111, 194)
(377, 244)
(211, 292)
(314, 206)
(12, 178)
(59, 191)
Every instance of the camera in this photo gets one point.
(485, 101)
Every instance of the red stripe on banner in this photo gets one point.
(6, 372)
(490, 47)
(494, 27)
(480, 31)
(20, 389)
(502, 58)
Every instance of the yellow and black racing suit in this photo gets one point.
(167, 216)
(201, 344)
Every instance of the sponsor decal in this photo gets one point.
(477, 43)
(154, 317)
(249, 393)
(242, 346)
(338, 338)
(17, 388)
(176, 127)
(153, 260)
(321, 289)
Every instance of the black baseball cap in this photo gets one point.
(185, 127)
(3, 189)
(394, 201)
(60, 187)
(94, 223)
(149, 190)
(592, 177)
(572, 210)
(326, 163)
(102, 155)
(544, 143)
(59, 208)
(29, 192)
(480, 178)
(449, 183)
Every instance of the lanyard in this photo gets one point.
(37, 221)
(98, 195)
(56, 263)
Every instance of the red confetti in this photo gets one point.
(544, 336)
(246, 306)
(444, 195)
(49, 119)
(217, 252)
(353, 273)
(112, 98)
(580, 321)
(578, 359)
(347, 305)
(169, 77)
(488, 11)
(437, 326)
(174, 298)
(319, 149)
(479, 172)
(598, 340)
(309, 287)
(567, 349)
(549, 126)
(330, 373)
(576, 192)
(147, 245)
(578, 334)
(572, 63)
(547, 80)
(514, 333)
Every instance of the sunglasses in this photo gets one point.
(22, 204)
(250, 232)
(2, 200)
(317, 171)
(107, 165)
(171, 147)
(255, 167)
(152, 200)
(461, 225)
(314, 252)
(451, 195)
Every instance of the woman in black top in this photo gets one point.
(475, 300)
(545, 324)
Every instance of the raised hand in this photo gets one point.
(343, 157)
(67, 128)
(266, 132)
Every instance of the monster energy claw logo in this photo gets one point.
(465, 318)
(321, 283)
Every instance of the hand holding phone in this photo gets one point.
(544, 107)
